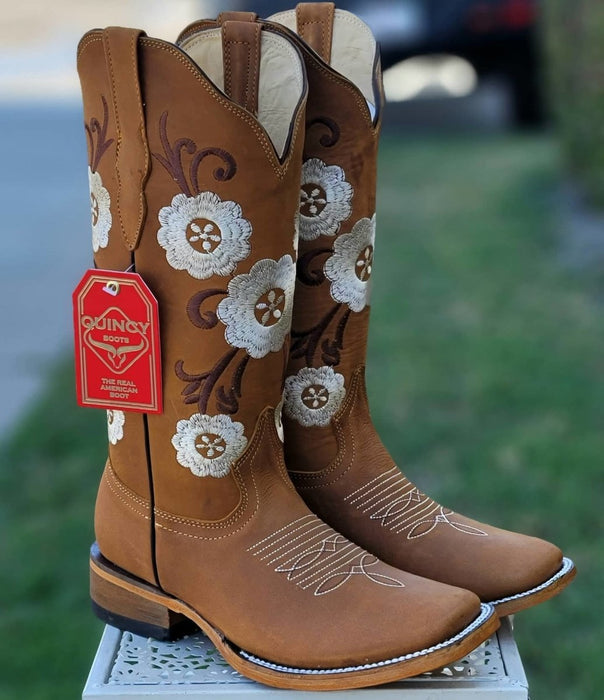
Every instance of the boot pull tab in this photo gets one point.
(241, 56)
(223, 17)
(315, 25)
(132, 152)
(236, 17)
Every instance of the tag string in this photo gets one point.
(113, 287)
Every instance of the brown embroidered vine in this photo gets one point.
(203, 319)
(327, 140)
(306, 275)
(94, 127)
(200, 386)
(330, 349)
(227, 400)
(305, 343)
(172, 160)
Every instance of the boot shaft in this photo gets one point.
(197, 191)
(335, 457)
(338, 192)
(337, 228)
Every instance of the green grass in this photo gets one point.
(48, 479)
(487, 369)
(487, 381)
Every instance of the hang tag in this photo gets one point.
(117, 348)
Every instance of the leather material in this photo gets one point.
(363, 494)
(128, 456)
(241, 52)
(131, 153)
(236, 543)
(117, 506)
(237, 17)
(314, 22)
(340, 466)
(306, 626)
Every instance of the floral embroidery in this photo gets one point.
(208, 445)
(269, 308)
(364, 263)
(100, 202)
(96, 133)
(328, 138)
(115, 425)
(279, 420)
(258, 309)
(297, 230)
(314, 396)
(182, 159)
(325, 199)
(349, 268)
(100, 211)
(204, 235)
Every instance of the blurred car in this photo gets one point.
(498, 37)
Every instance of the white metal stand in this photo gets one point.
(135, 668)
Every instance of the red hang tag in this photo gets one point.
(116, 325)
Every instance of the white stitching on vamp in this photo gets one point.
(317, 557)
(393, 472)
(399, 506)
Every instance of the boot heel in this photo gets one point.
(115, 600)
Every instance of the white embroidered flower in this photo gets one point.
(313, 396)
(325, 198)
(258, 309)
(115, 425)
(279, 420)
(204, 235)
(350, 266)
(208, 445)
(297, 230)
(100, 211)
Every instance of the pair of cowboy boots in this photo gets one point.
(235, 173)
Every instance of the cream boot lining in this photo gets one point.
(352, 50)
(280, 83)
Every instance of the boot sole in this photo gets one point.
(544, 591)
(130, 604)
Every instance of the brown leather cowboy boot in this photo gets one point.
(333, 453)
(195, 157)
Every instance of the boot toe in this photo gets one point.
(494, 565)
(426, 614)
(505, 563)
(525, 563)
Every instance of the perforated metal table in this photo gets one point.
(135, 668)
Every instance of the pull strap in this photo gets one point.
(241, 56)
(314, 22)
(236, 17)
(223, 17)
(132, 151)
